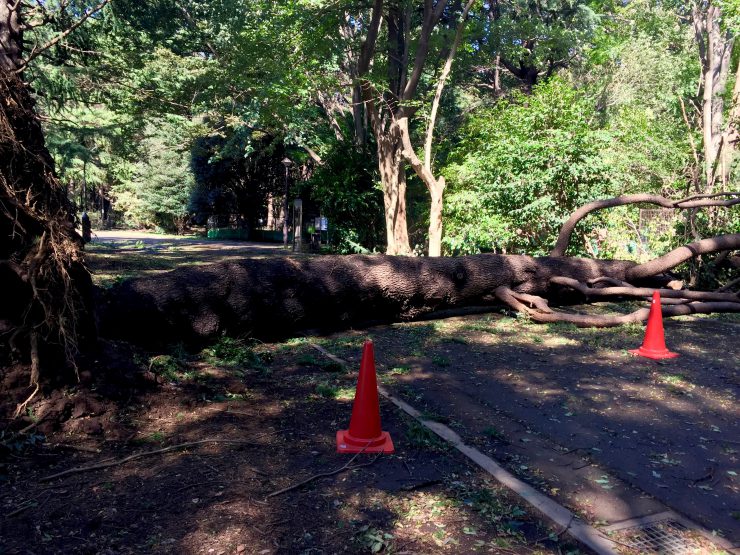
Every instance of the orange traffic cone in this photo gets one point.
(364, 434)
(654, 344)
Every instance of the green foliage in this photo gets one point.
(175, 109)
(523, 165)
(234, 353)
(157, 191)
(345, 187)
(421, 437)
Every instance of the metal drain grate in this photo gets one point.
(666, 537)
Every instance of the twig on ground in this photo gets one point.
(420, 485)
(29, 504)
(326, 474)
(101, 465)
(563, 531)
(74, 447)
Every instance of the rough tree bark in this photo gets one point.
(719, 139)
(277, 297)
(11, 36)
(270, 298)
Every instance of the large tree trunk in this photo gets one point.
(436, 192)
(715, 49)
(393, 177)
(269, 298)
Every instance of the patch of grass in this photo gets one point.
(409, 393)
(435, 417)
(562, 327)
(439, 360)
(676, 384)
(332, 366)
(422, 437)
(154, 437)
(171, 368)
(345, 342)
(327, 390)
(493, 433)
(234, 353)
(327, 365)
(457, 339)
(505, 517)
(399, 371)
(307, 359)
(294, 341)
(236, 396)
(479, 326)
(420, 330)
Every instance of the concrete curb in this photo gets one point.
(562, 517)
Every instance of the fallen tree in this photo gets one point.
(277, 297)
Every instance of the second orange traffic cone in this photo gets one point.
(654, 344)
(364, 434)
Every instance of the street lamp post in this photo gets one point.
(287, 162)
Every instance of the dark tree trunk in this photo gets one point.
(11, 36)
(273, 298)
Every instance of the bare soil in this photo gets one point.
(285, 404)
(568, 410)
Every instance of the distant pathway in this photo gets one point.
(199, 245)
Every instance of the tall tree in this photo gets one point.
(404, 52)
(715, 41)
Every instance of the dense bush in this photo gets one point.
(346, 189)
(522, 166)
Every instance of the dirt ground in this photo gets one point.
(567, 410)
(275, 409)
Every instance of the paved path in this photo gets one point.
(612, 436)
(153, 242)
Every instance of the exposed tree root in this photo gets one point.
(46, 288)
(109, 463)
(517, 302)
(627, 290)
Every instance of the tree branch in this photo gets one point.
(695, 201)
(39, 49)
(681, 254)
(409, 154)
(630, 291)
(431, 17)
(509, 297)
(441, 84)
(368, 46)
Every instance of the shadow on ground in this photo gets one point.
(572, 412)
(284, 402)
